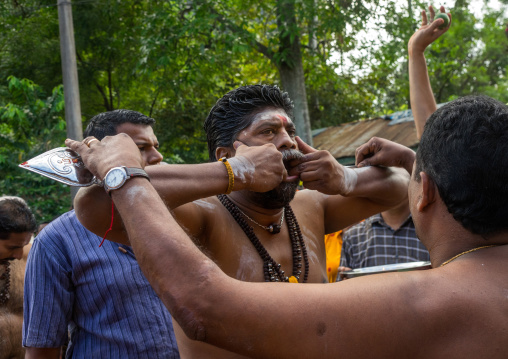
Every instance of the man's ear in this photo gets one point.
(429, 192)
(227, 152)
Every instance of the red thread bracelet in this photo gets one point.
(111, 225)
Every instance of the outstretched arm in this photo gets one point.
(235, 315)
(422, 99)
(257, 168)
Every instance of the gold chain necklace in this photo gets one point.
(466, 252)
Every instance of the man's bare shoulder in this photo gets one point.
(207, 204)
(308, 197)
(194, 216)
(425, 306)
(387, 309)
(308, 206)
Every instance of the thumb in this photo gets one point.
(237, 144)
(303, 147)
(76, 146)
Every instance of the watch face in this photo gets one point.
(115, 178)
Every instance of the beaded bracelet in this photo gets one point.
(231, 176)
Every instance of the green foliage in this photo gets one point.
(470, 58)
(191, 57)
(224, 40)
(29, 125)
(173, 59)
(29, 44)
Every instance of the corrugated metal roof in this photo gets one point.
(342, 141)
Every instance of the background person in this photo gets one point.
(390, 237)
(423, 103)
(17, 226)
(385, 238)
(98, 294)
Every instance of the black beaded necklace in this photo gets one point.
(272, 269)
(5, 282)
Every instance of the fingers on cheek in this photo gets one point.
(301, 167)
(308, 176)
(295, 171)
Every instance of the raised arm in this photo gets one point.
(422, 99)
(258, 168)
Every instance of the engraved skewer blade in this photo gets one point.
(63, 165)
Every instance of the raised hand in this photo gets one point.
(428, 31)
(381, 152)
(100, 156)
(258, 168)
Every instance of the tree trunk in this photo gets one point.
(291, 67)
(292, 81)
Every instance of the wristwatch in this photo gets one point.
(117, 176)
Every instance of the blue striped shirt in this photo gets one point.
(97, 295)
(373, 243)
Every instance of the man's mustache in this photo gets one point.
(291, 154)
(291, 158)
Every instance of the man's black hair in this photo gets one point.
(464, 149)
(15, 217)
(106, 123)
(235, 111)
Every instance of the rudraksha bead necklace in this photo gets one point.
(5, 282)
(272, 270)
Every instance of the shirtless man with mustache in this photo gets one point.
(242, 208)
(17, 226)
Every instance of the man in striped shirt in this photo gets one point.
(97, 294)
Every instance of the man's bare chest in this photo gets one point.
(11, 286)
(243, 257)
